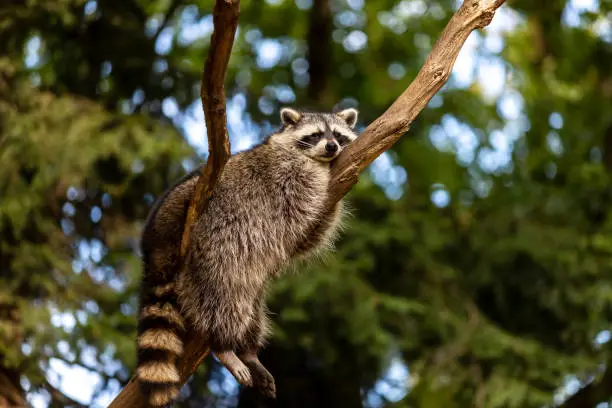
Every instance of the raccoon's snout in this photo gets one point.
(331, 147)
(330, 151)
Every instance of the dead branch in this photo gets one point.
(378, 137)
(381, 134)
(225, 20)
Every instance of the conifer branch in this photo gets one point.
(378, 137)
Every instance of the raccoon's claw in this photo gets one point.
(263, 380)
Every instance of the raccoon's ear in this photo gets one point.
(349, 116)
(290, 116)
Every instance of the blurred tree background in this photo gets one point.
(476, 270)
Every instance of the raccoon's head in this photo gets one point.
(320, 136)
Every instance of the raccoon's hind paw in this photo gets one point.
(262, 379)
(243, 375)
(240, 371)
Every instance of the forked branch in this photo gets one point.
(225, 19)
(378, 137)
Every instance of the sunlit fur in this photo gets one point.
(267, 210)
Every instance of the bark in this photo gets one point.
(381, 134)
(225, 19)
(376, 138)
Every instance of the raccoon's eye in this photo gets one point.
(310, 140)
(342, 139)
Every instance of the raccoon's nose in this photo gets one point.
(331, 147)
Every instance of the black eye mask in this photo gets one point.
(342, 139)
(308, 141)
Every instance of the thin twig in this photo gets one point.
(167, 17)
(57, 395)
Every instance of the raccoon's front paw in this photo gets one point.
(263, 380)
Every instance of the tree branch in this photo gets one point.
(11, 393)
(388, 128)
(60, 397)
(167, 16)
(225, 20)
(320, 52)
(377, 138)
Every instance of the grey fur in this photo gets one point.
(268, 209)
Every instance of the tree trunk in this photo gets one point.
(320, 54)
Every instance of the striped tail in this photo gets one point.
(161, 333)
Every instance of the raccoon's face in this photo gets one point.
(320, 136)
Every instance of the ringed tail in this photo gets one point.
(160, 341)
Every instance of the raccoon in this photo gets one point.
(268, 208)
